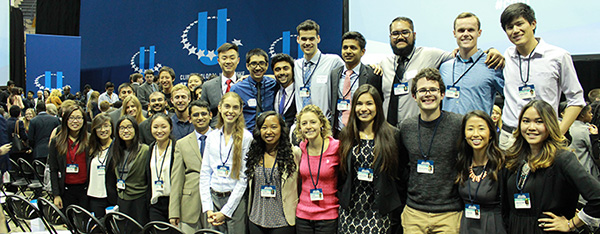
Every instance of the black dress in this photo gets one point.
(486, 194)
(554, 189)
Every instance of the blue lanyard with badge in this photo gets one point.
(305, 91)
(425, 166)
(73, 167)
(268, 190)
(343, 104)
(365, 174)
(453, 91)
(101, 169)
(522, 200)
(526, 91)
(472, 210)
(316, 194)
(223, 170)
(122, 171)
(159, 184)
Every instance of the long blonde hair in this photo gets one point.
(139, 116)
(238, 134)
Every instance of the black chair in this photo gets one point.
(156, 227)
(11, 216)
(39, 167)
(53, 215)
(24, 210)
(83, 221)
(210, 231)
(117, 223)
(16, 177)
(28, 173)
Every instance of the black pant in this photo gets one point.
(98, 206)
(75, 194)
(160, 210)
(136, 209)
(305, 226)
(255, 229)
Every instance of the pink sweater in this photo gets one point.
(327, 208)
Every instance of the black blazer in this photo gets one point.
(289, 116)
(58, 164)
(40, 129)
(111, 188)
(366, 76)
(390, 193)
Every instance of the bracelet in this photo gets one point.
(569, 223)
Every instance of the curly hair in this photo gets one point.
(325, 131)
(285, 157)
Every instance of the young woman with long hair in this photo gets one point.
(222, 178)
(497, 118)
(544, 178)
(133, 108)
(369, 166)
(29, 114)
(272, 171)
(317, 210)
(480, 160)
(101, 139)
(161, 162)
(92, 105)
(130, 159)
(69, 161)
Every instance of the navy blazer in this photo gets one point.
(40, 129)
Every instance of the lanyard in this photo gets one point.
(307, 81)
(74, 147)
(349, 90)
(477, 189)
(220, 155)
(269, 178)
(308, 162)
(159, 172)
(102, 163)
(528, 63)
(122, 171)
(461, 76)
(406, 61)
(522, 179)
(288, 101)
(432, 136)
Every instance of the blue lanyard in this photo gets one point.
(477, 189)
(307, 81)
(122, 171)
(520, 177)
(159, 172)
(528, 65)
(308, 162)
(349, 90)
(228, 154)
(468, 69)
(432, 136)
(269, 179)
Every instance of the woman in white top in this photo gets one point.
(222, 178)
(99, 144)
(161, 158)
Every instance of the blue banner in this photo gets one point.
(52, 62)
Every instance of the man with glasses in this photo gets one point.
(258, 93)
(433, 204)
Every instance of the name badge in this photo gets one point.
(401, 89)
(452, 91)
(322, 79)
(267, 191)
(304, 92)
(252, 102)
(222, 171)
(121, 184)
(316, 194)
(159, 185)
(527, 92)
(343, 104)
(72, 168)
(522, 201)
(101, 170)
(365, 174)
(472, 211)
(425, 166)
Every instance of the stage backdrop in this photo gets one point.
(123, 37)
(53, 62)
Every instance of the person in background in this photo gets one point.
(147, 88)
(133, 108)
(92, 105)
(194, 80)
(40, 130)
(581, 140)
(109, 94)
(101, 139)
(29, 114)
(197, 92)
(497, 118)
(13, 123)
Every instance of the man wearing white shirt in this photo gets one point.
(285, 103)
(109, 94)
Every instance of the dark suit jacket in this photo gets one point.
(146, 133)
(10, 129)
(366, 76)
(40, 129)
(211, 93)
(143, 94)
(290, 115)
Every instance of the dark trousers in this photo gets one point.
(75, 194)
(160, 210)
(255, 229)
(136, 209)
(305, 226)
(98, 206)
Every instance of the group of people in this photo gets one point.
(330, 145)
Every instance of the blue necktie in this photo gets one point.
(202, 144)
(282, 102)
(307, 72)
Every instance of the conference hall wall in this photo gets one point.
(123, 37)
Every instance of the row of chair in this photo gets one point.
(25, 177)
(80, 221)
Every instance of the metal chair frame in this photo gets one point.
(156, 227)
(83, 221)
(113, 220)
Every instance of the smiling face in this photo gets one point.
(29, 114)
(495, 116)
(126, 130)
(76, 121)
(230, 109)
(310, 126)
(125, 92)
(165, 80)
(257, 66)
(533, 128)
(520, 32)
(477, 133)
(228, 61)
(365, 108)
(428, 94)
(104, 131)
(270, 131)
(466, 31)
(402, 37)
(200, 118)
(157, 102)
(161, 130)
(193, 82)
(180, 99)
(284, 73)
(351, 52)
(308, 41)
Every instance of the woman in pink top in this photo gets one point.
(317, 210)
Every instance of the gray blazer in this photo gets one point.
(212, 93)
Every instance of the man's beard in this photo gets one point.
(404, 52)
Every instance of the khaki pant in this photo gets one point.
(415, 221)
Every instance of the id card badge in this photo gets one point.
(252, 102)
(72, 168)
(316, 194)
(121, 184)
(101, 170)
(365, 174)
(527, 92)
(401, 89)
(452, 91)
(222, 171)
(267, 191)
(304, 92)
(472, 211)
(425, 166)
(159, 185)
(343, 104)
(522, 201)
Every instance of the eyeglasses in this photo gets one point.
(196, 114)
(76, 118)
(431, 91)
(261, 63)
(128, 128)
(403, 33)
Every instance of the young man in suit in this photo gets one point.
(285, 103)
(143, 92)
(40, 128)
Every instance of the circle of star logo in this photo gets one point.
(192, 50)
(272, 47)
(137, 69)
(37, 84)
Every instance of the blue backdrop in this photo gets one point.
(53, 62)
(122, 37)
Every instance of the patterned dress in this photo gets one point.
(360, 216)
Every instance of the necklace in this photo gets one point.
(477, 178)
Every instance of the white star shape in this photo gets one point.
(200, 54)
(184, 40)
(191, 50)
(237, 42)
(186, 45)
(211, 54)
